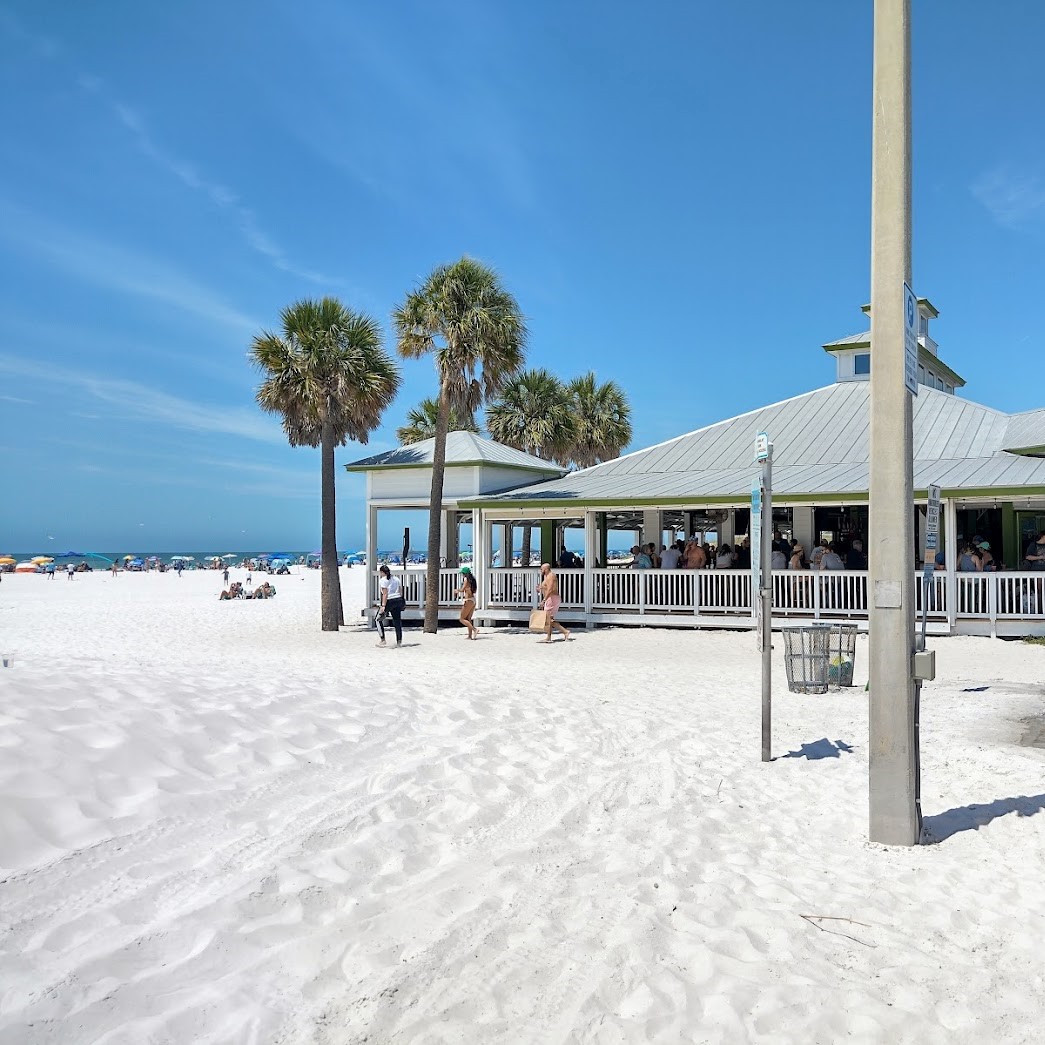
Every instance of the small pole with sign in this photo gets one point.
(932, 541)
(762, 578)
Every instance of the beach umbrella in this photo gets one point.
(71, 555)
(127, 558)
(6, 560)
(40, 559)
(231, 555)
(183, 558)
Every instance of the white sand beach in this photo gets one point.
(219, 824)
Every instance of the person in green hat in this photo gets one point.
(466, 593)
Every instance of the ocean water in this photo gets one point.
(101, 559)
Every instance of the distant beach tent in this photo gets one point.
(26, 567)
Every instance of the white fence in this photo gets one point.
(822, 595)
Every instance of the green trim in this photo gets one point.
(1025, 451)
(740, 501)
(925, 356)
(837, 346)
(866, 309)
(554, 470)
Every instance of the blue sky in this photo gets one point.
(678, 195)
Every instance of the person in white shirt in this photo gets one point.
(392, 604)
(669, 558)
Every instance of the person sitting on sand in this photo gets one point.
(264, 591)
(550, 599)
(466, 592)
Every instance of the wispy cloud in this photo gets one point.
(409, 153)
(17, 399)
(221, 195)
(185, 171)
(131, 399)
(1014, 198)
(118, 268)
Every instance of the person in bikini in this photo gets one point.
(549, 589)
(466, 593)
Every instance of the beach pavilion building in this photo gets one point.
(990, 466)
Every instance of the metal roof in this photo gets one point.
(1026, 430)
(462, 449)
(851, 341)
(821, 448)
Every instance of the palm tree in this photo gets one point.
(533, 413)
(602, 418)
(472, 326)
(421, 421)
(329, 377)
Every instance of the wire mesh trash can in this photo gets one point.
(842, 656)
(807, 656)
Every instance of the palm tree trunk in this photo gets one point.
(527, 538)
(435, 515)
(331, 609)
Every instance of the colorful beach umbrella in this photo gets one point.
(6, 560)
(39, 559)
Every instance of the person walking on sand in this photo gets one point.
(466, 593)
(392, 604)
(550, 599)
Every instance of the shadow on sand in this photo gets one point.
(940, 827)
(822, 748)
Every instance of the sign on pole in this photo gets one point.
(932, 521)
(760, 531)
(762, 446)
(756, 536)
(932, 541)
(910, 340)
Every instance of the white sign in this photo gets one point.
(755, 537)
(762, 446)
(910, 340)
(932, 519)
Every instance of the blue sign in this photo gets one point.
(910, 340)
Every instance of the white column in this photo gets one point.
(479, 557)
(802, 526)
(950, 557)
(729, 528)
(371, 559)
(651, 528)
(591, 551)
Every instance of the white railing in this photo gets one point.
(511, 588)
(414, 582)
(826, 594)
(725, 591)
